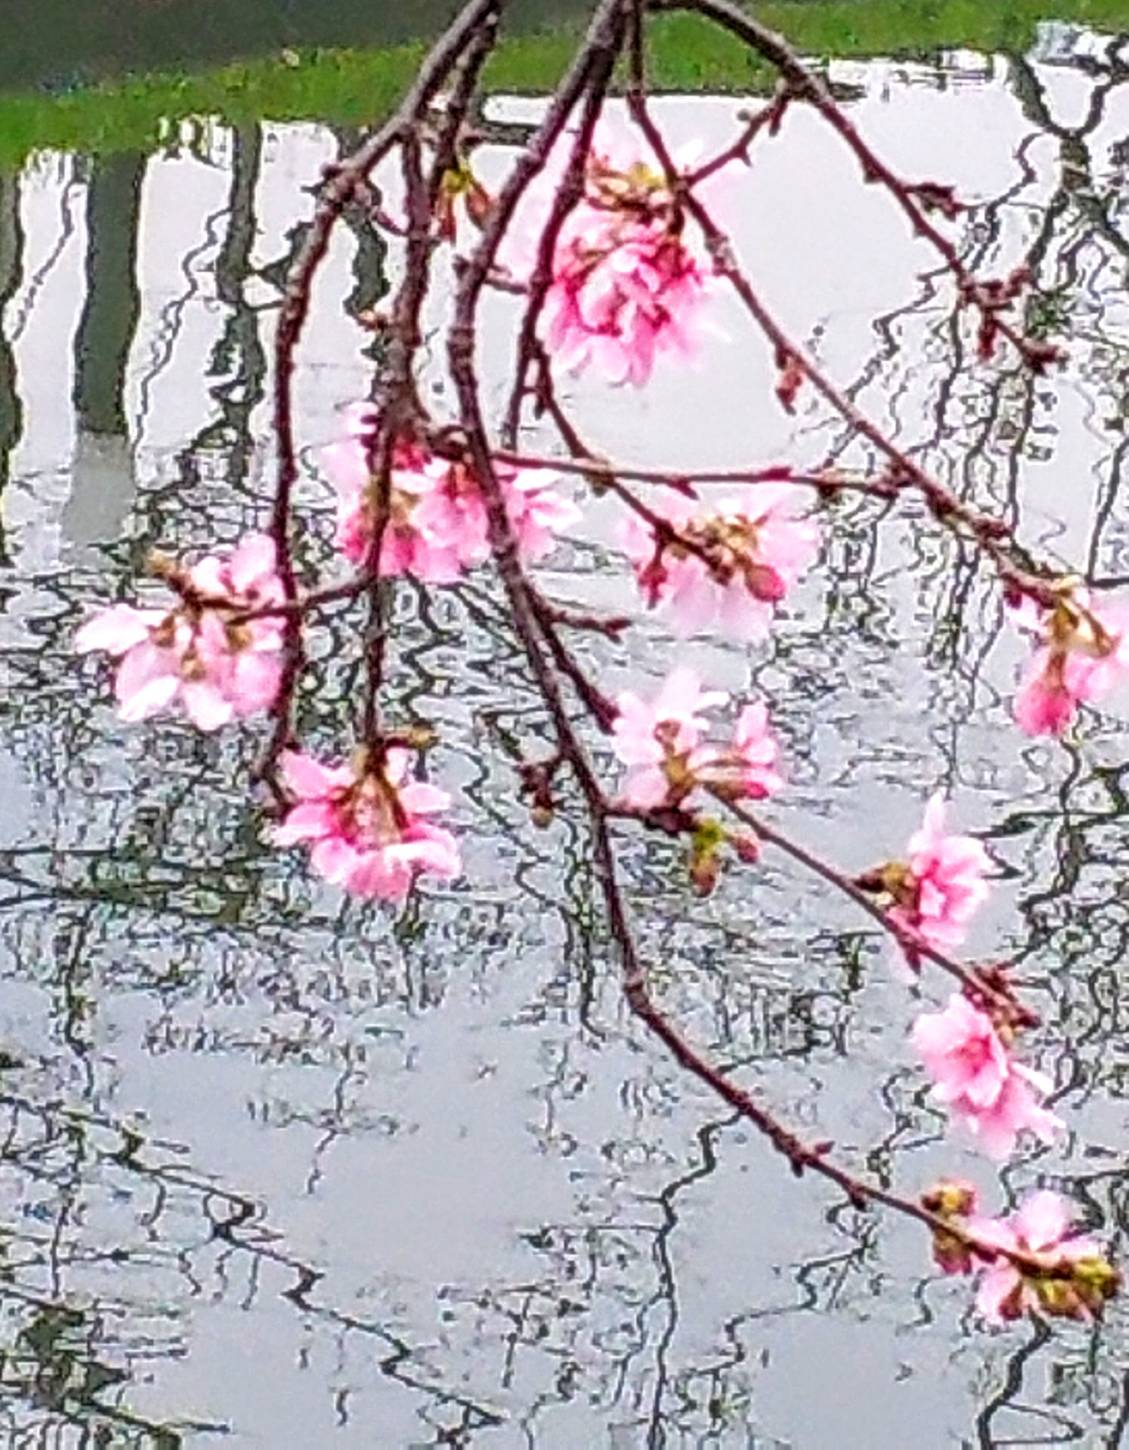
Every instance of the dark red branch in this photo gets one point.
(911, 198)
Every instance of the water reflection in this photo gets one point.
(321, 1176)
(11, 276)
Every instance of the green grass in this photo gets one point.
(355, 87)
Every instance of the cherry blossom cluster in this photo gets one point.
(218, 650)
(625, 286)
(436, 526)
(930, 898)
(1082, 654)
(199, 654)
(366, 823)
(724, 565)
(1041, 1263)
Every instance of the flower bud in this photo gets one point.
(950, 1198)
(951, 1254)
(479, 204)
(765, 583)
(705, 854)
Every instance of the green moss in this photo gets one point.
(354, 87)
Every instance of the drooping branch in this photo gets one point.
(368, 794)
(912, 198)
(537, 630)
(341, 184)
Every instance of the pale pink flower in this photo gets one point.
(622, 293)
(538, 514)
(415, 475)
(1041, 1228)
(963, 1053)
(991, 1095)
(758, 547)
(1017, 1109)
(746, 769)
(943, 884)
(366, 825)
(199, 654)
(662, 740)
(656, 737)
(437, 525)
(1083, 654)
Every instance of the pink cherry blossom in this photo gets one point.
(662, 740)
(745, 769)
(657, 737)
(622, 293)
(962, 1051)
(1018, 1108)
(366, 824)
(538, 514)
(943, 884)
(437, 525)
(1040, 1228)
(991, 1095)
(758, 547)
(199, 654)
(1083, 654)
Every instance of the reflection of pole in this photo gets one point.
(370, 260)
(238, 357)
(109, 314)
(11, 273)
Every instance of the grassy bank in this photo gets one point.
(354, 87)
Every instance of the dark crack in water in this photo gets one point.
(277, 1171)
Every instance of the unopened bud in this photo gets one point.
(951, 1254)
(950, 1198)
(791, 376)
(479, 205)
(765, 583)
(705, 870)
(705, 854)
(445, 215)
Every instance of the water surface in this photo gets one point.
(279, 1171)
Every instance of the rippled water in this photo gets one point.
(296, 1173)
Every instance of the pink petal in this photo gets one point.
(254, 682)
(205, 706)
(1042, 1220)
(420, 798)
(253, 561)
(305, 776)
(117, 629)
(149, 698)
(141, 667)
(306, 822)
(996, 1285)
